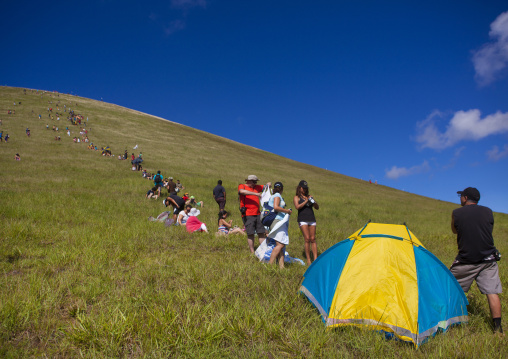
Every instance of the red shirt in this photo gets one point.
(251, 202)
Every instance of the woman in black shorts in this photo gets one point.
(305, 205)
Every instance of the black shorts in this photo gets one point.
(179, 209)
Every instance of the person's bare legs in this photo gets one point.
(261, 238)
(281, 258)
(250, 242)
(275, 254)
(313, 244)
(495, 305)
(495, 311)
(306, 237)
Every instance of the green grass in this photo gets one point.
(84, 273)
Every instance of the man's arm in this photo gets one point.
(173, 202)
(248, 193)
(454, 230)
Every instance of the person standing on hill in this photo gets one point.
(280, 236)
(171, 186)
(157, 181)
(249, 194)
(219, 194)
(477, 255)
(305, 205)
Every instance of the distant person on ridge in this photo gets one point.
(477, 255)
(219, 194)
(249, 194)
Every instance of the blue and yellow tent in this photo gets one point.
(382, 277)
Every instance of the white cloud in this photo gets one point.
(464, 126)
(495, 154)
(492, 59)
(397, 172)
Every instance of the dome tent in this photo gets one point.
(382, 277)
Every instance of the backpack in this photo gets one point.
(268, 215)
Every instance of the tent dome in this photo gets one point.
(383, 277)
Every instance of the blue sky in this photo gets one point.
(411, 94)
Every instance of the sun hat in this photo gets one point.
(194, 212)
(252, 178)
(471, 193)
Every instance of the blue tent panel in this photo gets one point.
(320, 290)
(441, 300)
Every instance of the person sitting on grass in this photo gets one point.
(192, 201)
(179, 186)
(193, 223)
(152, 193)
(17, 157)
(226, 227)
(183, 216)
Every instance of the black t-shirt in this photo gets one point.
(179, 200)
(474, 225)
(218, 192)
(306, 213)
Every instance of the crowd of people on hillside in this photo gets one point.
(265, 213)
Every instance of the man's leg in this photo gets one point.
(495, 311)
(495, 305)
(489, 284)
(250, 242)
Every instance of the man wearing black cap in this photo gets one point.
(477, 256)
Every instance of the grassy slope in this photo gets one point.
(84, 272)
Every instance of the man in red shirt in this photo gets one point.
(249, 193)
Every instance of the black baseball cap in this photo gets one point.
(278, 184)
(471, 193)
(303, 184)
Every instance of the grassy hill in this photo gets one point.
(84, 273)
